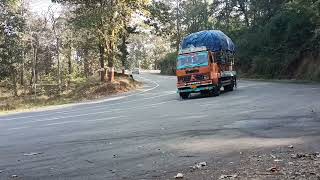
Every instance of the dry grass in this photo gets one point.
(78, 91)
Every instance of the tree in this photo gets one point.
(271, 36)
(11, 45)
(56, 25)
(196, 16)
(106, 17)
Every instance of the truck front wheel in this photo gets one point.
(184, 95)
(215, 91)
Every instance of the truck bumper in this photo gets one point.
(196, 89)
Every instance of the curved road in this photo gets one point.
(151, 134)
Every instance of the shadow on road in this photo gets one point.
(200, 96)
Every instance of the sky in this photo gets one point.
(40, 6)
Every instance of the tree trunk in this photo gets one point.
(124, 50)
(22, 73)
(111, 57)
(36, 74)
(59, 68)
(86, 62)
(14, 81)
(22, 82)
(244, 10)
(110, 44)
(33, 79)
(69, 65)
(178, 26)
(69, 61)
(101, 59)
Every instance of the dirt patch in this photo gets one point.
(206, 145)
(285, 162)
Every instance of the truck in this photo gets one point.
(205, 64)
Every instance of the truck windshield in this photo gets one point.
(193, 60)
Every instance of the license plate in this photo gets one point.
(193, 86)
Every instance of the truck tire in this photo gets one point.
(184, 95)
(205, 93)
(229, 87)
(215, 92)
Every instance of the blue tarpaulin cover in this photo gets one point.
(213, 40)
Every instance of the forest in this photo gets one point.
(276, 39)
(94, 41)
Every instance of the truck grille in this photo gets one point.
(198, 77)
(186, 79)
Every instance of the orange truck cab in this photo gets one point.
(206, 65)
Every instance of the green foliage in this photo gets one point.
(196, 16)
(276, 38)
(11, 47)
(272, 37)
(270, 49)
(168, 64)
(176, 18)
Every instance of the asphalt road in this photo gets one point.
(151, 133)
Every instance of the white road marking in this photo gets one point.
(18, 128)
(95, 102)
(103, 100)
(248, 111)
(193, 117)
(177, 115)
(97, 112)
(67, 122)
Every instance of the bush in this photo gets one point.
(269, 50)
(168, 64)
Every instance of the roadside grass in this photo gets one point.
(79, 90)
